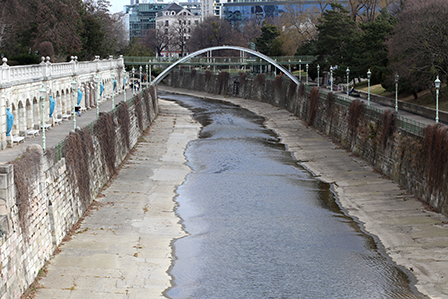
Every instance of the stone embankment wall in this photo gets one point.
(413, 156)
(43, 195)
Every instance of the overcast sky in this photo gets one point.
(117, 5)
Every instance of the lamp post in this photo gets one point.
(348, 77)
(369, 74)
(97, 79)
(74, 103)
(140, 76)
(396, 91)
(113, 89)
(300, 70)
(318, 69)
(150, 74)
(133, 84)
(331, 77)
(307, 73)
(437, 83)
(43, 95)
(147, 77)
(124, 86)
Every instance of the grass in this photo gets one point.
(424, 97)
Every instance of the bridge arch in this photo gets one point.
(253, 52)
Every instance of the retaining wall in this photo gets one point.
(42, 198)
(411, 155)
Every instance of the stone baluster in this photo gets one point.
(5, 72)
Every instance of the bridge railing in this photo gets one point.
(288, 60)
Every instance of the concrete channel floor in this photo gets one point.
(415, 237)
(123, 250)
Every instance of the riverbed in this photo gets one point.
(261, 226)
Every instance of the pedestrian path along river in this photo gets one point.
(123, 247)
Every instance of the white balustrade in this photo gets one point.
(20, 85)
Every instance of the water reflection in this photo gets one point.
(260, 226)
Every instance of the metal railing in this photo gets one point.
(59, 148)
(407, 124)
(284, 60)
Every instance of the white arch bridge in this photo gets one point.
(211, 49)
(210, 61)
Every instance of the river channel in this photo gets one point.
(261, 226)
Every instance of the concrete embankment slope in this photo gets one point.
(412, 235)
(123, 249)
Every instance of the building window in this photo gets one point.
(166, 23)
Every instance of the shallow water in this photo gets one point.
(259, 224)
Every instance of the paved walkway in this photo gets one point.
(123, 249)
(59, 132)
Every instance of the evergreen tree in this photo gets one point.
(268, 43)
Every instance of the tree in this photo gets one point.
(11, 18)
(157, 39)
(335, 43)
(418, 45)
(92, 38)
(268, 43)
(56, 21)
(250, 31)
(372, 46)
(136, 48)
(298, 27)
(181, 33)
(211, 32)
(99, 29)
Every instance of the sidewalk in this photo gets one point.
(59, 132)
(122, 249)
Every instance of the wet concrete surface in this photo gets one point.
(413, 236)
(260, 225)
(123, 249)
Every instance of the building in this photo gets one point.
(176, 23)
(143, 13)
(212, 8)
(142, 17)
(239, 11)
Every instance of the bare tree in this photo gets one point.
(120, 31)
(212, 32)
(417, 48)
(56, 21)
(180, 33)
(323, 5)
(11, 16)
(250, 31)
(158, 39)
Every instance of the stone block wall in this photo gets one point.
(30, 233)
(413, 157)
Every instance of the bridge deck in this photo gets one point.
(283, 60)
